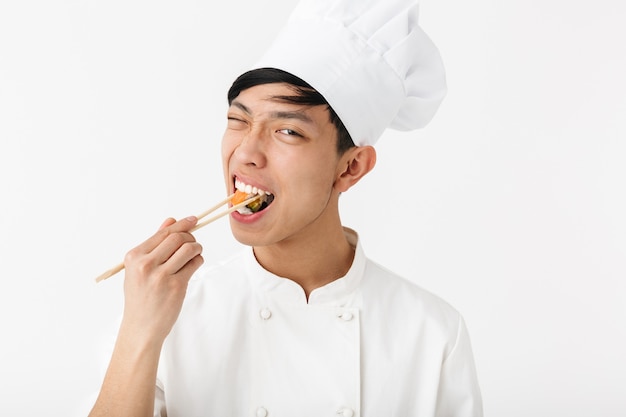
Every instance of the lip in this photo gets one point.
(248, 218)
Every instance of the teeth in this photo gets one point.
(248, 189)
(265, 196)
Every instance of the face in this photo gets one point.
(288, 150)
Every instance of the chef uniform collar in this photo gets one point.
(337, 293)
(369, 59)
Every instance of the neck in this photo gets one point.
(311, 261)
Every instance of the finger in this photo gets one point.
(155, 240)
(190, 267)
(180, 259)
(168, 222)
(170, 245)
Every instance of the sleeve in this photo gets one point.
(459, 393)
(159, 400)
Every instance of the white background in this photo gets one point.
(510, 204)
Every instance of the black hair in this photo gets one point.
(304, 94)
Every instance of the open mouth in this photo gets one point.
(246, 191)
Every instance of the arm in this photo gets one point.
(157, 274)
(459, 392)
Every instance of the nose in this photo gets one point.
(251, 149)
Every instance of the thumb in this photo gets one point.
(168, 222)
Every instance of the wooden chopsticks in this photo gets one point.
(117, 268)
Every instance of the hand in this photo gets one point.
(157, 275)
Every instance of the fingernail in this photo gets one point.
(192, 218)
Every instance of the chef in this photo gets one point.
(299, 322)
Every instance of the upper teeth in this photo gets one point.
(247, 188)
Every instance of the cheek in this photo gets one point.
(227, 150)
(229, 144)
(316, 174)
(226, 147)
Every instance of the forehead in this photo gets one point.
(273, 99)
(268, 91)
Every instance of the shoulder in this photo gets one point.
(218, 281)
(214, 274)
(399, 297)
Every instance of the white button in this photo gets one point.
(345, 412)
(265, 313)
(261, 412)
(346, 316)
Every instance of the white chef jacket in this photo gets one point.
(370, 344)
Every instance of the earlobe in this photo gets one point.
(354, 165)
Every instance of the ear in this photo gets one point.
(354, 164)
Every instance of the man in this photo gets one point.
(302, 323)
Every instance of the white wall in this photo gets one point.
(510, 205)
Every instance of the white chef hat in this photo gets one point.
(369, 59)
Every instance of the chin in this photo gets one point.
(244, 241)
(247, 238)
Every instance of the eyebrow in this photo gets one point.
(240, 106)
(298, 115)
(291, 115)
